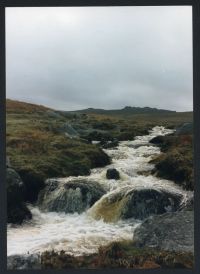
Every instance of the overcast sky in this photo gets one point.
(105, 57)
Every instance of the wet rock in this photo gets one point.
(145, 202)
(112, 173)
(188, 205)
(69, 197)
(110, 144)
(186, 128)
(17, 211)
(33, 184)
(170, 231)
(157, 140)
(135, 203)
(24, 262)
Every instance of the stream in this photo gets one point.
(83, 233)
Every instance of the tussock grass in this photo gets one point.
(119, 255)
(176, 163)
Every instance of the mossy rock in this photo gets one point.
(72, 196)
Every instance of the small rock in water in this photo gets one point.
(112, 173)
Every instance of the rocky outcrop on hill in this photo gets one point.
(69, 197)
(170, 231)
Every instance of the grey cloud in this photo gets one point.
(69, 58)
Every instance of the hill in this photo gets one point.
(13, 106)
(125, 111)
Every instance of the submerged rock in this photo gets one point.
(24, 262)
(138, 203)
(69, 197)
(112, 173)
(170, 231)
(17, 211)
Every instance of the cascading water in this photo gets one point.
(83, 233)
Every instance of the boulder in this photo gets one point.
(72, 196)
(186, 128)
(112, 173)
(17, 211)
(110, 144)
(138, 203)
(33, 183)
(158, 140)
(170, 231)
(143, 203)
(24, 262)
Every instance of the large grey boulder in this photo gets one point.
(72, 196)
(136, 202)
(146, 202)
(170, 231)
(17, 211)
(186, 128)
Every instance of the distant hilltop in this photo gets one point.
(23, 107)
(126, 110)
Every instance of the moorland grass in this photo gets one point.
(119, 255)
(176, 161)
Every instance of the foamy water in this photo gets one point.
(80, 233)
(77, 234)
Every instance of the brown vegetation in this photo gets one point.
(119, 255)
(176, 163)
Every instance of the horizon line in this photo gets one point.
(97, 108)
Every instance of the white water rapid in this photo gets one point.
(80, 234)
